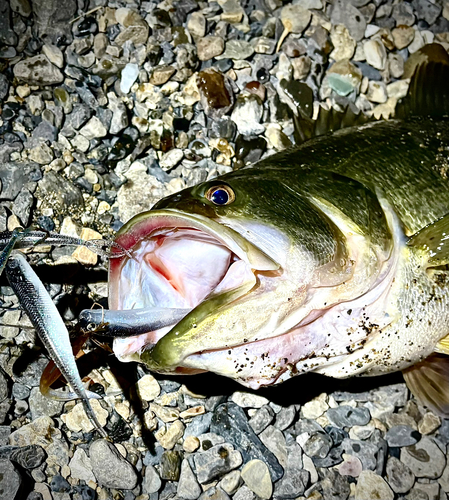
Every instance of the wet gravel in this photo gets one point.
(106, 107)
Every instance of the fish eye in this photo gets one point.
(220, 195)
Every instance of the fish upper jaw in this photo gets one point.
(180, 260)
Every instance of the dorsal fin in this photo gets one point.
(428, 93)
(327, 121)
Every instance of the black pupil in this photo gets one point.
(220, 197)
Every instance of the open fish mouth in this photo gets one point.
(177, 260)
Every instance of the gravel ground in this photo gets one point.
(105, 108)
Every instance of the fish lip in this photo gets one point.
(141, 225)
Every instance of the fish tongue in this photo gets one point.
(128, 323)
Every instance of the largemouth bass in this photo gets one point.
(330, 257)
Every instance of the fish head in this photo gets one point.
(252, 257)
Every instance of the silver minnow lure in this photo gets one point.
(128, 323)
(37, 303)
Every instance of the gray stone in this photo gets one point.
(209, 47)
(244, 493)
(415, 494)
(151, 481)
(93, 129)
(41, 405)
(52, 19)
(363, 450)
(261, 419)
(62, 191)
(188, 487)
(335, 486)
(347, 416)
(345, 13)
(44, 132)
(29, 457)
(196, 24)
(22, 206)
(77, 118)
(81, 466)
(7, 35)
(425, 459)
(208, 440)
(38, 70)
(216, 462)
(256, 476)
(295, 18)
(135, 29)
(432, 490)
(231, 482)
(41, 154)
(284, 418)
(318, 445)
(198, 425)
(370, 485)
(214, 494)
(237, 49)
(110, 468)
(429, 423)
(4, 86)
(10, 480)
(402, 435)
(295, 479)
(426, 10)
(274, 440)
(119, 114)
(13, 176)
(399, 476)
(403, 14)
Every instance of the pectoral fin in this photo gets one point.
(434, 241)
(429, 382)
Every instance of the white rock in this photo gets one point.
(171, 158)
(316, 407)
(256, 475)
(417, 43)
(54, 54)
(80, 466)
(148, 388)
(248, 400)
(377, 92)
(129, 75)
(93, 129)
(375, 53)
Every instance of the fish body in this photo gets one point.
(328, 257)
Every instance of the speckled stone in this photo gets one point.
(370, 485)
(425, 459)
(110, 468)
(399, 476)
(216, 462)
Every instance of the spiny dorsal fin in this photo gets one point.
(428, 381)
(428, 93)
(327, 121)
